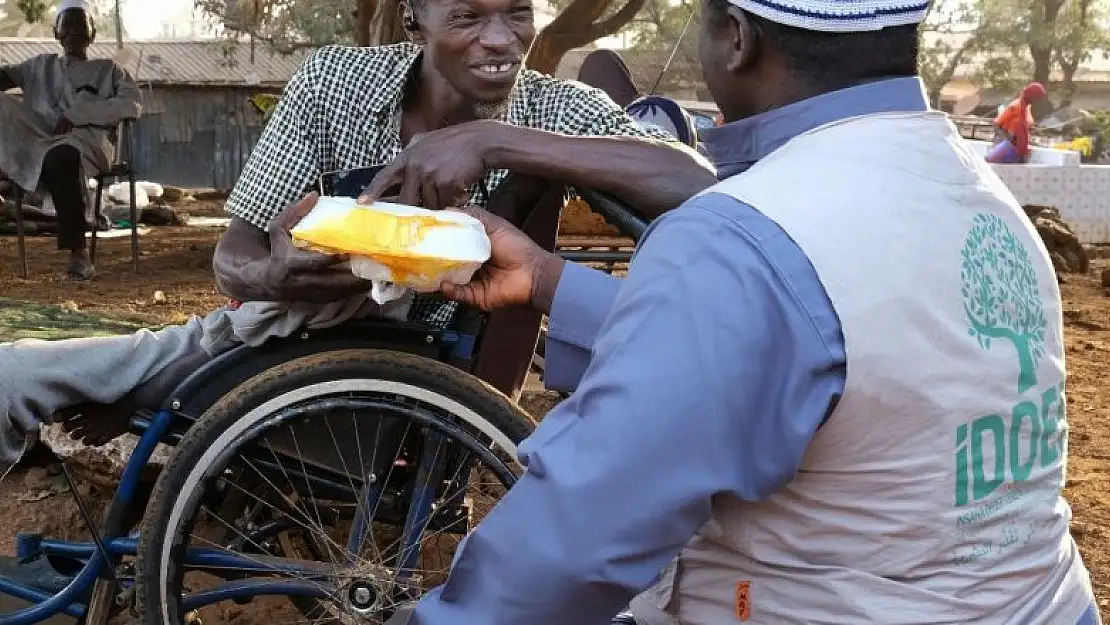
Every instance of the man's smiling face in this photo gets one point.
(478, 46)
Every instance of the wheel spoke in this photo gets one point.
(368, 524)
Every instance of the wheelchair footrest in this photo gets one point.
(36, 572)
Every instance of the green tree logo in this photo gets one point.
(1001, 295)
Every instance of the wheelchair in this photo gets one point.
(322, 478)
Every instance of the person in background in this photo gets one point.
(667, 115)
(64, 129)
(606, 70)
(1014, 125)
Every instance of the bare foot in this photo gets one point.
(96, 424)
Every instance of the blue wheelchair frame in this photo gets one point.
(167, 425)
(456, 345)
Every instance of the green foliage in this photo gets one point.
(1020, 35)
(1008, 72)
(106, 21)
(34, 11)
(1004, 44)
(1102, 118)
(18, 14)
(13, 19)
(1080, 32)
(286, 24)
(948, 39)
(657, 37)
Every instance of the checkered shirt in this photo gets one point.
(339, 111)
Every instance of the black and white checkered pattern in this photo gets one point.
(339, 111)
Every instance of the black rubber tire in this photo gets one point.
(153, 574)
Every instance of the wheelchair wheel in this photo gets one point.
(332, 488)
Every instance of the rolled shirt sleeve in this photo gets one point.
(709, 375)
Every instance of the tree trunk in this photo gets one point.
(364, 14)
(118, 18)
(579, 24)
(1067, 86)
(1042, 65)
(948, 71)
(1070, 56)
(385, 26)
(1043, 39)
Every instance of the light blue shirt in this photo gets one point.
(705, 372)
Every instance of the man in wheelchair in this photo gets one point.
(452, 112)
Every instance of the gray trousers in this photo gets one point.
(38, 378)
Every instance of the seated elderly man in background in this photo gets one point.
(64, 129)
(460, 89)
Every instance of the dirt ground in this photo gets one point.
(176, 261)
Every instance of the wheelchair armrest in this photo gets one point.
(205, 386)
(619, 215)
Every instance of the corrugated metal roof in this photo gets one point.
(178, 62)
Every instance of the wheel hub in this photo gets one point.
(370, 596)
(362, 598)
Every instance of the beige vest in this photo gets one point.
(933, 493)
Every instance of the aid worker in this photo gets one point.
(830, 389)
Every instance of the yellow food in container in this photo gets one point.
(397, 247)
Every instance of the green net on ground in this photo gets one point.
(29, 320)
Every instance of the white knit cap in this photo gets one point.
(66, 5)
(838, 16)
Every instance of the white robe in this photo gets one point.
(95, 95)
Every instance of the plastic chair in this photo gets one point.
(122, 167)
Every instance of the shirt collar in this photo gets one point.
(394, 83)
(735, 147)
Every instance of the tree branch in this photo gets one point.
(617, 21)
(578, 24)
(576, 13)
(957, 58)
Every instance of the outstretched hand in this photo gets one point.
(518, 273)
(294, 274)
